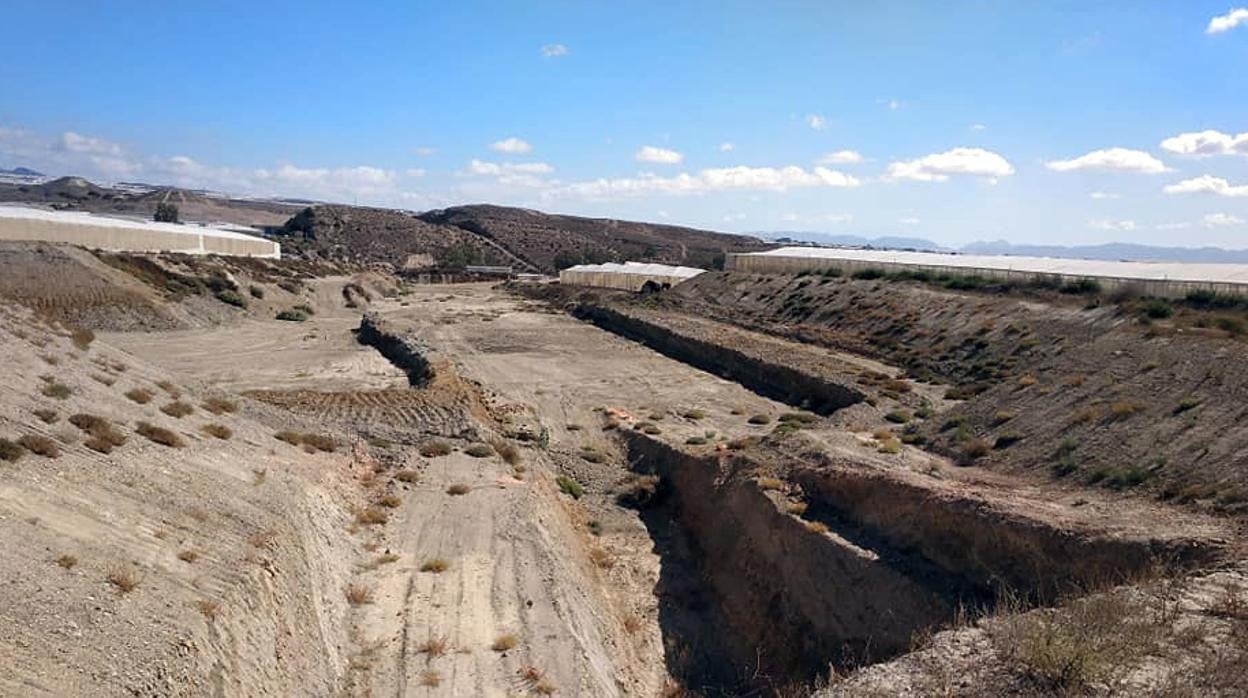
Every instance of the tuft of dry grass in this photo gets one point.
(479, 451)
(177, 409)
(385, 559)
(434, 646)
(796, 508)
(502, 643)
(759, 419)
(435, 448)
(103, 436)
(458, 489)
(188, 556)
(82, 338)
(408, 476)
(67, 561)
(390, 501)
(219, 405)
(544, 687)
(209, 608)
(816, 527)
(974, 448)
(169, 388)
(10, 451)
(321, 442)
(57, 390)
(507, 451)
(889, 446)
(140, 395)
(219, 431)
(47, 416)
(1027, 380)
(632, 624)
(40, 445)
(435, 565)
(770, 483)
(124, 579)
(159, 435)
(359, 594)
(103, 380)
(431, 678)
(291, 437)
(371, 516)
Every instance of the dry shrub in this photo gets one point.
(434, 646)
(695, 415)
(103, 436)
(974, 448)
(320, 442)
(407, 476)
(430, 677)
(759, 419)
(159, 435)
(637, 490)
(169, 388)
(1231, 603)
(632, 624)
(458, 489)
(1123, 409)
(140, 395)
(898, 386)
(742, 443)
(1027, 380)
(124, 579)
(385, 559)
(57, 390)
(177, 409)
(219, 431)
(40, 445)
(258, 476)
(291, 437)
(507, 451)
(219, 405)
(390, 501)
(371, 516)
(67, 561)
(796, 508)
(889, 446)
(435, 565)
(102, 379)
(209, 608)
(592, 455)
(50, 360)
(435, 448)
(10, 451)
(544, 687)
(770, 483)
(359, 595)
(502, 643)
(479, 451)
(1002, 416)
(530, 674)
(188, 555)
(82, 338)
(816, 527)
(47, 416)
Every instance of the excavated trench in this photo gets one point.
(754, 597)
(781, 383)
(398, 349)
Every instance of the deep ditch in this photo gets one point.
(778, 599)
(781, 383)
(400, 350)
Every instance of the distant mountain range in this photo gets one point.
(1111, 251)
(22, 172)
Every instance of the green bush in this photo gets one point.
(256, 291)
(292, 315)
(1158, 309)
(231, 298)
(1081, 287)
(868, 274)
(570, 487)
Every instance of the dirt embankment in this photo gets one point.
(812, 565)
(796, 384)
(400, 350)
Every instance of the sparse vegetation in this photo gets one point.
(436, 565)
(816, 527)
(82, 338)
(291, 315)
(434, 646)
(359, 594)
(230, 297)
(390, 501)
(102, 435)
(458, 489)
(592, 455)
(479, 451)
(140, 395)
(601, 558)
(975, 448)
(159, 435)
(40, 445)
(57, 390)
(219, 405)
(408, 476)
(770, 483)
(433, 449)
(47, 416)
(10, 451)
(208, 608)
(219, 431)
(694, 415)
(506, 642)
(570, 487)
(759, 419)
(188, 556)
(124, 579)
(169, 388)
(431, 678)
(371, 516)
(898, 416)
(177, 409)
(507, 451)
(67, 561)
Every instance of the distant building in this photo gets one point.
(629, 276)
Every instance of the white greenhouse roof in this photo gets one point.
(639, 268)
(84, 218)
(1152, 271)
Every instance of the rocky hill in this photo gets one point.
(550, 241)
(380, 235)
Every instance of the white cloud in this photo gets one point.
(937, 167)
(554, 50)
(839, 218)
(911, 221)
(650, 153)
(726, 147)
(424, 151)
(1116, 159)
(512, 146)
(710, 180)
(978, 127)
(77, 143)
(790, 217)
(1102, 195)
(841, 157)
(1173, 226)
(1218, 220)
(731, 217)
(893, 104)
(416, 172)
(478, 167)
(1206, 143)
(816, 122)
(1228, 21)
(1118, 226)
(1208, 185)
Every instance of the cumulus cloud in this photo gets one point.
(1173, 226)
(978, 127)
(1220, 220)
(1111, 159)
(726, 147)
(77, 143)
(424, 151)
(709, 180)
(663, 156)
(938, 167)
(479, 167)
(416, 172)
(1116, 226)
(816, 122)
(1203, 144)
(911, 221)
(1102, 195)
(511, 146)
(1228, 21)
(554, 50)
(1207, 184)
(841, 157)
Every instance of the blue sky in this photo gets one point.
(1054, 122)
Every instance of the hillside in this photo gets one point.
(551, 241)
(380, 235)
